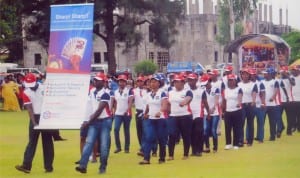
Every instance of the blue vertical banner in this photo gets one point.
(68, 68)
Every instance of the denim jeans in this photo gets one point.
(155, 130)
(98, 129)
(260, 114)
(47, 142)
(273, 115)
(172, 134)
(210, 129)
(118, 121)
(248, 117)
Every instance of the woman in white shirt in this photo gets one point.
(179, 100)
(232, 107)
(155, 125)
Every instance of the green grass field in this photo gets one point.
(268, 160)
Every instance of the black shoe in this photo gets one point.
(198, 154)
(59, 139)
(144, 162)
(102, 171)
(81, 169)
(140, 154)
(272, 139)
(77, 162)
(117, 151)
(278, 135)
(48, 170)
(161, 161)
(22, 169)
(126, 151)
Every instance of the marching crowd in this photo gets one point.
(189, 107)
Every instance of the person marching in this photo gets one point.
(197, 106)
(286, 97)
(139, 94)
(272, 109)
(232, 109)
(295, 78)
(122, 100)
(99, 125)
(155, 125)
(259, 109)
(248, 101)
(211, 124)
(179, 100)
(33, 99)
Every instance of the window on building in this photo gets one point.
(151, 56)
(106, 56)
(215, 29)
(97, 57)
(216, 56)
(162, 60)
(151, 33)
(37, 59)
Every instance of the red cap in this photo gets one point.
(140, 78)
(178, 77)
(192, 76)
(183, 74)
(204, 79)
(252, 71)
(284, 69)
(100, 76)
(122, 77)
(214, 72)
(29, 80)
(229, 68)
(231, 76)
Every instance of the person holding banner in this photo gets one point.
(33, 99)
(122, 103)
(99, 125)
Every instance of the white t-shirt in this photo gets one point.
(175, 97)
(260, 88)
(138, 94)
(285, 84)
(154, 100)
(296, 88)
(95, 97)
(122, 99)
(211, 99)
(270, 87)
(35, 98)
(231, 97)
(196, 103)
(248, 89)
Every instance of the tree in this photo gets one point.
(293, 39)
(11, 29)
(145, 67)
(120, 19)
(233, 15)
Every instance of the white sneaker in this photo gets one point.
(228, 147)
(235, 147)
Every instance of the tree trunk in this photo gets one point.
(110, 42)
(232, 20)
